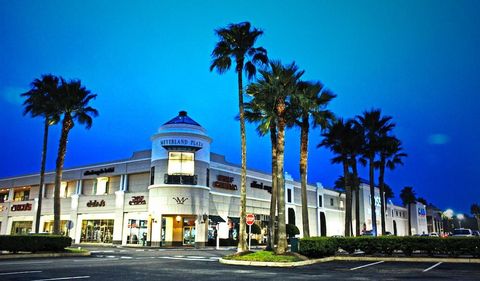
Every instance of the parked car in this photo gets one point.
(433, 234)
(368, 233)
(462, 232)
(388, 233)
(476, 233)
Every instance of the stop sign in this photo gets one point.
(250, 219)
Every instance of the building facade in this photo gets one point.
(178, 193)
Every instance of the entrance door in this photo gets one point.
(189, 235)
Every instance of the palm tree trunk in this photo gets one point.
(42, 175)
(348, 200)
(273, 201)
(372, 195)
(409, 221)
(282, 233)
(67, 124)
(303, 174)
(357, 197)
(242, 238)
(381, 178)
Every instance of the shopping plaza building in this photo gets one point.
(177, 193)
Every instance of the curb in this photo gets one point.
(276, 264)
(340, 258)
(43, 255)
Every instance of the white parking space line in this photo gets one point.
(433, 266)
(125, 257)
(63, 278)
(32, 262)
(366, 265)
(185, 259)
(195, 257)
(19, 272)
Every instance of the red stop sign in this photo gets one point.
(250, 219)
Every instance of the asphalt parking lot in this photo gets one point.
(163, 264)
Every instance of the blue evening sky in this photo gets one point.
(418, 61)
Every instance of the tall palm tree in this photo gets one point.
(72, 101)
(357, 144)
(281, 82)
(261, 110)
(337, 138)
(236, 42)
(475, 210)
(390, 151)
(309, 104)
(40, 102)
(374, 126)
(408, 197)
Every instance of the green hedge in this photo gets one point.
(387, 245)
(34, 243)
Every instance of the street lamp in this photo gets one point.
(448, 213)
(460, 217)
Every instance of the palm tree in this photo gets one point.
(40, 102)
(309, 103)
(337, 138)
(236, 42)
(475, 210)
(261, 110)
(72, 101)
(408, 197)
(281, 82)
(390, 150)
(374, 126)
(357, 145)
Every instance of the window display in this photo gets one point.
(97, 231)
(21, 227)
(137, 232)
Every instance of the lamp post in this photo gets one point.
(460, 217)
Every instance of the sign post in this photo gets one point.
(218, 236)
(250, 219)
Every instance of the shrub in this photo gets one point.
(34, 243)
(318, 247)
(292, 230)
(387, 245)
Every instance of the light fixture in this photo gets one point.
(448, 213)
(178, 218)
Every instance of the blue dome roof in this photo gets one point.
(182, 118)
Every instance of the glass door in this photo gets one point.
(189, 235)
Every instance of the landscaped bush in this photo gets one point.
(291, 230)
(318, 247)
(387, 245)
(34, 243)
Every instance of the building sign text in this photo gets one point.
(95, 203)
(224, 182)
(21, 207)
(99, 172)
(254, 184)
(137, 200)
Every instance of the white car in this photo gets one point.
(462, 232)
(433, 234)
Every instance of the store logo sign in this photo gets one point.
(21, 207)
(95, 203)
(179, 200)
(99, 172)
(254, 184)
(137, 200)
(224, 182)
(3, 208)
(422, 212)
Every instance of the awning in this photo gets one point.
(216, 219)
(235, 220)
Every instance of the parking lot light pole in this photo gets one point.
(460, 217)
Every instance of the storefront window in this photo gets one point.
(21, 227)
(181, 163)
(137, 232)
(3, 195)
(48, 226)
(21, 194)
(97, 231)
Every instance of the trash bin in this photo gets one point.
(294, 244)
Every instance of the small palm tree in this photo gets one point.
(390, 150)
(408, 197)
(374, 126)
(337, 138)
(72, 101)
(475, 210)
(40, 102)
(309, 103)
(260, 110)
(236, 42)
